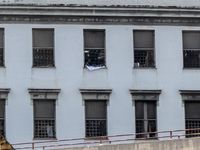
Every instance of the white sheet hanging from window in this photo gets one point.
(91, 68)
(49, 131)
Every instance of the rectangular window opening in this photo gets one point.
(43, 47)
(191, 49)
(145, 113)
(192, 118)
(94, 48)
(143, 48)
(44, 119)
(2, 117)
(95, 118)
(1, 47)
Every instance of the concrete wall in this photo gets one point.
(109, 2)
(181, 144)
(69, 76)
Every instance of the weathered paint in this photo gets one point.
(109, 2)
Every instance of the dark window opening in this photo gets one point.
(145, 118)
(191, 49)
(2, 117)
(1, 47)
(94, 47)
(143, 49)
(43, 47)
(95, 115)
(192, 118)
(44, 119)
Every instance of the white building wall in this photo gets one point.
(109, 2)
(69, 75)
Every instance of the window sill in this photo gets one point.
(43, 67)
(150, 138)
(44, 139)
(191, 68)
(97, 139)
(145, 68)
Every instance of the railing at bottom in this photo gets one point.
(101, 139)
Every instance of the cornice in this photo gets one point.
(137, 11)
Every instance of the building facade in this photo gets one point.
(144, 69)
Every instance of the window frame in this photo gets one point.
(145, 119)
(145, 96)
(136, 65)
(96, 95)
(54, 119)
(106, 118)
(4, 118)
(53, 49)
(44, 94)
(189, 49)
(85, 48)
(3, 48)
(189, 96)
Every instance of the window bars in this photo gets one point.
(191, 58)
(95, 113)
(191, 49)
(95, 127)
(192, 117)
(143, 48)
(44, 119)
(144, 58)
(43, 57)
(1, 47)
(2, 131)
(145, 118)
(43, 47)
(94, 47)
(44, 128)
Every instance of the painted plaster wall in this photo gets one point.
(109, 2)
(69, 76)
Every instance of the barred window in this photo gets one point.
(44, 119)
(94, 48)
(95, 118)
(145, 113)
(2, 117)
(1, 47)
(43, 47)
(192, 117)
(191, 49)
(143, 48)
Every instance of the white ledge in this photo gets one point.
(95, 90)
(139, 91)
(37, 90)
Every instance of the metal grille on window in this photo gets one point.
(94, 47)
(1, 47)
(95, 118)
(44, 119)
(43, 57)
(191, 49)
(43, 47)
(95, 128)
(145, 118)
(43, 128)
(143, 49)
(2, 117)
(192, 118)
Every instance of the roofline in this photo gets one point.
(101, 10)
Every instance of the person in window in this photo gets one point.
(88, 62)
